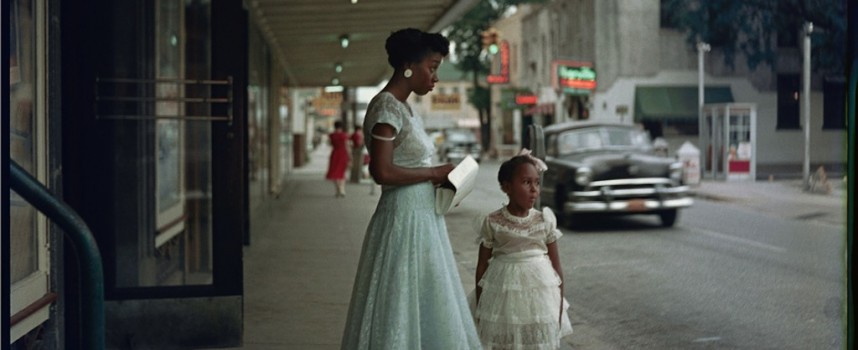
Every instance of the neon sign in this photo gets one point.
(575, 78)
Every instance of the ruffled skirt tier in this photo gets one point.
(520, 305)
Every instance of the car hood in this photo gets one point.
(608, 165)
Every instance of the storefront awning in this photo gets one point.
(675, 103)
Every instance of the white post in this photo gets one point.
(702, 48)
(808, 28)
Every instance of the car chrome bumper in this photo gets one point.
(629, 196)
(627, 206)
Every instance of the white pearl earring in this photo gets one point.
(407, 73)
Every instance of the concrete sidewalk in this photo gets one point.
(301, 263)
(784, 198)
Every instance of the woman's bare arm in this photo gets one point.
(383, 170)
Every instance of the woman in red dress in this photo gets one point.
(339, 161)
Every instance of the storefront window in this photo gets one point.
(169, 130)
(28, 229)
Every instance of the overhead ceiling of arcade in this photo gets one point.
(305, 34)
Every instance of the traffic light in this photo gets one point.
(490, 40)
(487, 39)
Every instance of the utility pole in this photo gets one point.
(808, 29)
(702, 48)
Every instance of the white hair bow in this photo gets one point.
(540, 165)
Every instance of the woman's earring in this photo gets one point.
(407, 73)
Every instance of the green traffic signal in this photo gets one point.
(493, 48)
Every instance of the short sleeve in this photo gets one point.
(487, 234)
(552, 234)
(385, 111)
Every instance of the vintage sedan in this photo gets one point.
(609, 168)
(459, 143)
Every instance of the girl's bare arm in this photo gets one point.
(482, 264)
(554, 256)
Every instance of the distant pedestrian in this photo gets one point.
(407, 292)
(518, 298)
(339, 160)
(357, 151)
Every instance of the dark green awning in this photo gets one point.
(675, 103)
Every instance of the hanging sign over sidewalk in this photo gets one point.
(574, 78)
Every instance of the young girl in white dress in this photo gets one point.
(518, 300)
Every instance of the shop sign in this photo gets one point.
(525, 99)
(446, 102)
(574, 78)
(516, 98)
(328, 103)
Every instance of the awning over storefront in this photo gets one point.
(675, 103)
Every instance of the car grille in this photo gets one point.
(622, 189)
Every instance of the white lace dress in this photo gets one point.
(520, 302)
(407, 292)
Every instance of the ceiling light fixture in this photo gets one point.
(354, 1)
(344, 41)
(335, 81)
(338, 67)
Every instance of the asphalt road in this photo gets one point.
(725, 277)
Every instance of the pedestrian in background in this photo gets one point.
(357, 148)
(339, 159)
(518, 298)
(407, 292)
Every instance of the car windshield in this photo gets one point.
(601, 138)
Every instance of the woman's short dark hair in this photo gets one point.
(411, 45)
(507, 168)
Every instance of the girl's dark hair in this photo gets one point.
(507, 169)
(338, 124)
(413, 45)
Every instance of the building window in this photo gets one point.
(834, 102)
(29, 256)
(789, 91)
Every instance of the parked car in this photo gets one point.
(459, 143)
(612, 169)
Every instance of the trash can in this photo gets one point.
(689, 155)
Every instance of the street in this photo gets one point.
(725, 277)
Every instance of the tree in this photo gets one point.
(756, 28)
(466, 33)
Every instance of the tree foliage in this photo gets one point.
(466, 34)
(756, 28)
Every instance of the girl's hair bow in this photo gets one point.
(540, 165)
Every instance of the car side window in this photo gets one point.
(567, 143)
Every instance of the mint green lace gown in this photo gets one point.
(407, 292)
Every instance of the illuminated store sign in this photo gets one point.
(525, 99)
(574, 78)
(503, 77)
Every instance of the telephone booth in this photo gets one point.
(728, 138)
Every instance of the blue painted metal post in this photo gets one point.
(92, 272)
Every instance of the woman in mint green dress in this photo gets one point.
(407, 292)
